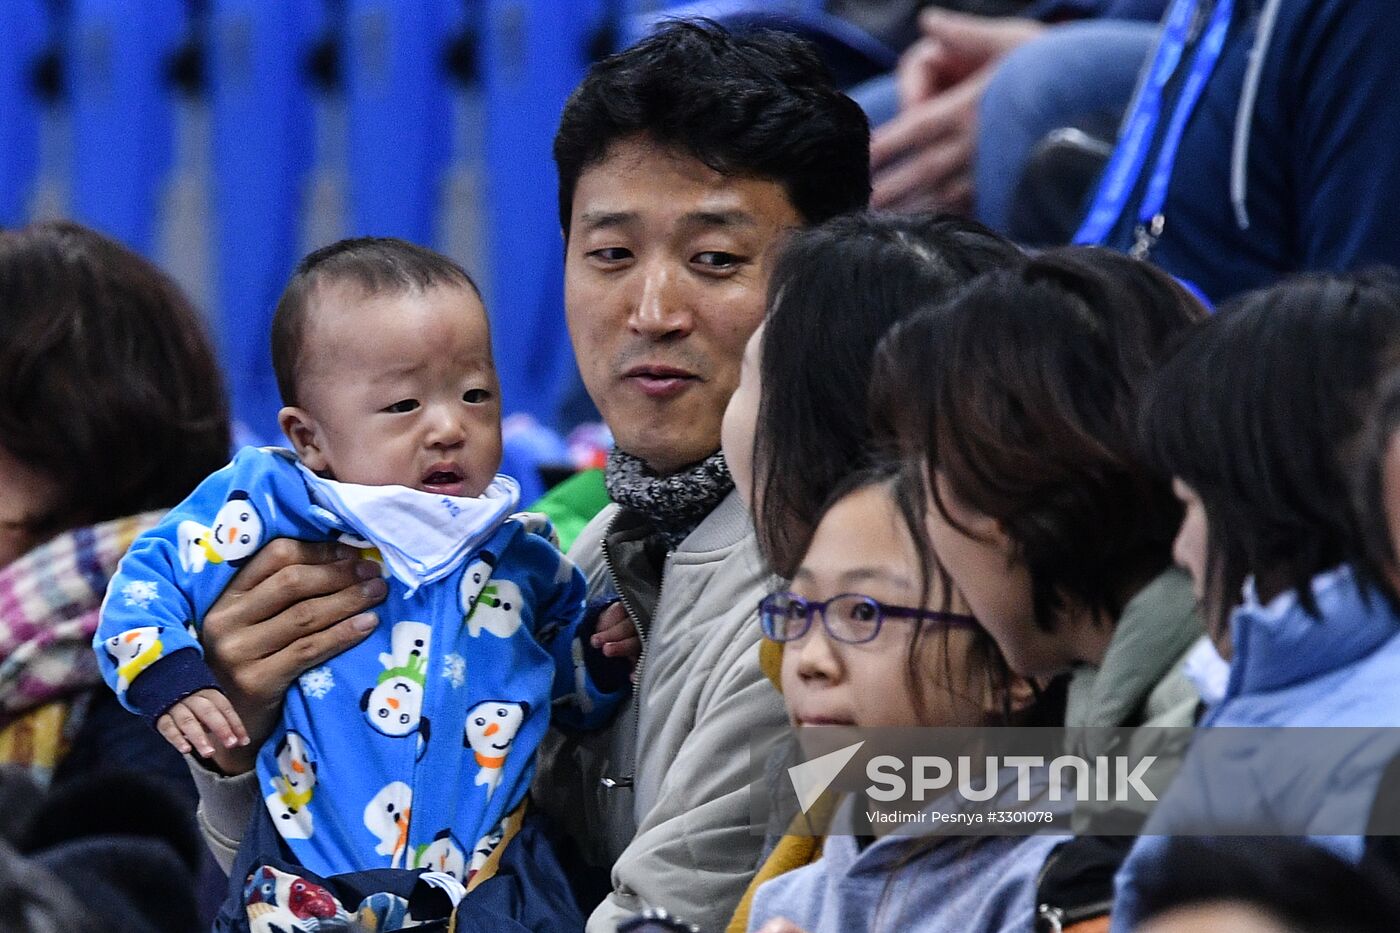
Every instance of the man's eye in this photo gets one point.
(476, 396)
(399, 408)
(717, 259)
(611, 254)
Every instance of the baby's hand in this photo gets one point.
(616, 636)
(194, 719)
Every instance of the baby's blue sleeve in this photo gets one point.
(579, 700)
(147, 634)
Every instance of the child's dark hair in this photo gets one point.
(835, 290)
(1022, 391)
(760, 104)
(1294, 883)
(105, 372)
(378, 265)
(1261, 412)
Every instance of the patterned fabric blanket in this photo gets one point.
(49, 600)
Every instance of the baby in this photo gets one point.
(410, 749)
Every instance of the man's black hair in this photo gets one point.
(760, 104)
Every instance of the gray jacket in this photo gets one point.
(952, 884)
(674, 825)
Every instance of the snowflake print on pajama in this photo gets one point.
(375, 763)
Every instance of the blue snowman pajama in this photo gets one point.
(408, 750)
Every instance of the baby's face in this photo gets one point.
(399, 389)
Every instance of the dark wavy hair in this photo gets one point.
(835, 290)
(1262, 412)
(758, 104)
(1023, 392)
(107, 381)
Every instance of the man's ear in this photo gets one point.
(301, 429)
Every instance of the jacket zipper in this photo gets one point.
(629, 780)
(1053, 919)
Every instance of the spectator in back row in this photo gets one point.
(1284, 163)
(111, 408)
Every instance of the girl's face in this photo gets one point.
(1189, 548)
(740, 421)
(27, 500)
(861, 546)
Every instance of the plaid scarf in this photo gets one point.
(49, 600)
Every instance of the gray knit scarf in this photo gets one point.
(677, 502)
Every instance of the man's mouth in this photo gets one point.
(660, 382)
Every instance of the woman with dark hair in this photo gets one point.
(111, 410)
(797, 427)
(798, 423)
(1017, 402)
(1015, 405)
(1259, 417)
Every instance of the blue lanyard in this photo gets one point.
(1129, 155)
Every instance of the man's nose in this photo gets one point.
(661, 309)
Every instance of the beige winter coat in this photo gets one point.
(679, 836)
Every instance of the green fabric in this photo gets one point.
(572, 504)
(1139, 682)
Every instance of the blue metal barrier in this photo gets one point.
(23, 33)
(399, 113)
(122, 111)
(852, 54)
(263, 150)
(532, 56)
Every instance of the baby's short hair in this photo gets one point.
(378, 265)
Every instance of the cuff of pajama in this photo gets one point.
(168, 681)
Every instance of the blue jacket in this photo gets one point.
(956, 884)
(1293, 166)
(1290, 669)
(411, 747)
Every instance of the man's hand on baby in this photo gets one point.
(203, 715)
(616, 635)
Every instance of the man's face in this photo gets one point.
(664, 280)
